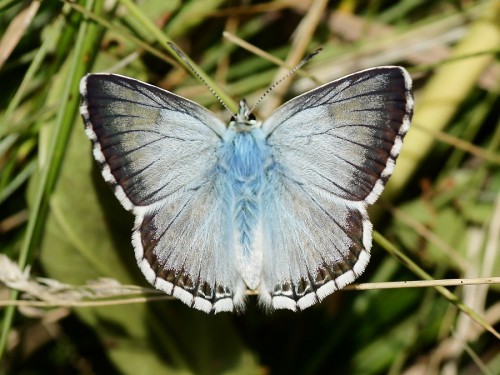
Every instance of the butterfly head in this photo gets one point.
(244, 120)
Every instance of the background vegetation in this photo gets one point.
(441, 209)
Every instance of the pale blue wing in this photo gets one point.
(333, 149)
(149, 141)
(159, 153)
(184, 246)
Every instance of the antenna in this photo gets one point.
(195, 72)
(304, 61)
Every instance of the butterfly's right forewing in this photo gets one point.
(159, 153)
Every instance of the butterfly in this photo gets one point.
(277, 206)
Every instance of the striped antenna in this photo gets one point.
(304, 61)
(195, 72)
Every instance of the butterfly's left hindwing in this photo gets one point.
(159, 153)
(333, 150)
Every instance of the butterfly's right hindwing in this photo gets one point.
(159, 152)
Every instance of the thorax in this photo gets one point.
(244, 154)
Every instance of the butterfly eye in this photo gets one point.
(251, 117)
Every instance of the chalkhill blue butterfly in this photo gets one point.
(277, 206)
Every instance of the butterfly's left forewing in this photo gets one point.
(159, 153)
(333, 150)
